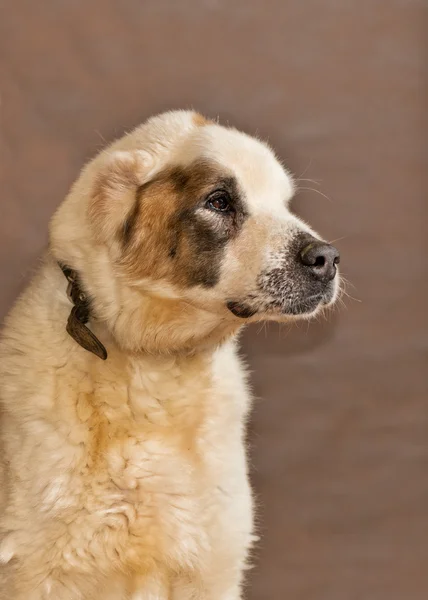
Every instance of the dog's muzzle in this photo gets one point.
(303, 279)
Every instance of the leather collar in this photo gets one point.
(80, 315)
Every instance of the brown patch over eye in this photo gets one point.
(165, 236)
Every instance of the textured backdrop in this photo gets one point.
(340, 430)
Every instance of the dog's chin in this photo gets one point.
(281, 310)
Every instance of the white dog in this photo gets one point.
(124, 403)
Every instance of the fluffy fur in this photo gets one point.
(127, 479)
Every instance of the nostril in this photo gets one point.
(319, 261)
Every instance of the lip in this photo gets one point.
(309, 304)
(305, 306)
(329, 295)
(241, 310)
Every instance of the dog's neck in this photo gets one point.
(148, 324)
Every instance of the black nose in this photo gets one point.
(321, 259)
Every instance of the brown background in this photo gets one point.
(340, 434)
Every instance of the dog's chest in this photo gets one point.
(155, 446)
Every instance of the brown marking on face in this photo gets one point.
(130, 223)
(164, 237)
(200, 120)
(147, 248)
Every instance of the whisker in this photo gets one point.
(340, 301)
(316, 191)
(326, 315)
(284, 329)
(260, 329)
(305, 170)
(100, 135)
(344, 237)
(309, 180)
(346, 281)
(345, 293)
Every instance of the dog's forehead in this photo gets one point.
(265, 184)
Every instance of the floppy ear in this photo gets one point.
(115, 192)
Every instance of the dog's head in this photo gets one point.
(195, 216)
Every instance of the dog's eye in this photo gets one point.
(219, 202)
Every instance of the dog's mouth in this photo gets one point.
(282, 307)
(241, 309)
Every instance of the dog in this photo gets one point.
(124, 400)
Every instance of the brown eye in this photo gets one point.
(219, 202)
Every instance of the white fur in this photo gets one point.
(128, 478)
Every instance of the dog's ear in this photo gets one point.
(115, 192)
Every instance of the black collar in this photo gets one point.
(80, 315)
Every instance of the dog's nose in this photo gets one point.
(321, 259)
